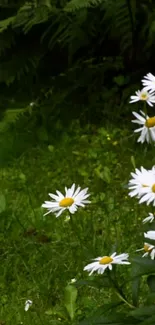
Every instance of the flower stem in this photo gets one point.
(119, 292)
(123, 299)
(74, 229)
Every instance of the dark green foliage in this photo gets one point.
(80, 49)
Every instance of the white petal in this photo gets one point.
(53, 196)
(150, 234)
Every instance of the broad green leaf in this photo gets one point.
(70, 300)
(143, 311)
(151, 282)
(2, 203)
(135, 290)
(149, 321)
(112, 319)
(142, 266)
(150, 298)
(94, 283)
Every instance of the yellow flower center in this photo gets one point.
(106, 260)
(66, 202)
(153, 188)
(150, 122)
(146, 248)
(144, 96)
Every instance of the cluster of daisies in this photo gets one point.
(146, 123)
(71, 201)
(142, 185)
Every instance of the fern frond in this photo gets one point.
(7, 40)
(40, 15)
(74, 5)
(10, 117)
(28, 16)
(17, 67)
(118, 22)
(4, 24)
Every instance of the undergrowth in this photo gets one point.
(40, 255)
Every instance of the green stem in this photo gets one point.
(124, 300)
(74, 229)
(145, 109)
(119, 292)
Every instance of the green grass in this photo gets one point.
(40, 255)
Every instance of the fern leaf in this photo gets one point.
(74, 5)
(7, 40)
(4, 24)
(118, 22)
(10, 117)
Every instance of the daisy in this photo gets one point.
(147, 127)
(150, 234)
(149, 82)
(150, 218)
(148, 249)
(71, 200)
(102, 263)
(143, 186)
(139, 181)
(143, 95)
(28, 303)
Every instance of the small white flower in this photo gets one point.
(28, 303)
(147, 127)
(143, 95)
(149, 82)
(73, 280)
(150, 234)
(71, 200)
(143, 185)
(148, 249)
(102, 263)
(32, 104)
(150, 218)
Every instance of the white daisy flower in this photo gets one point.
(150, 234)
(148, 249)
(139, 181)
(71, 200)
(149, 82)
(102, 263)
(143, 95)
(143, 185)
(147, 127)
(28, 303)
(148, 191)
(150, 218)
